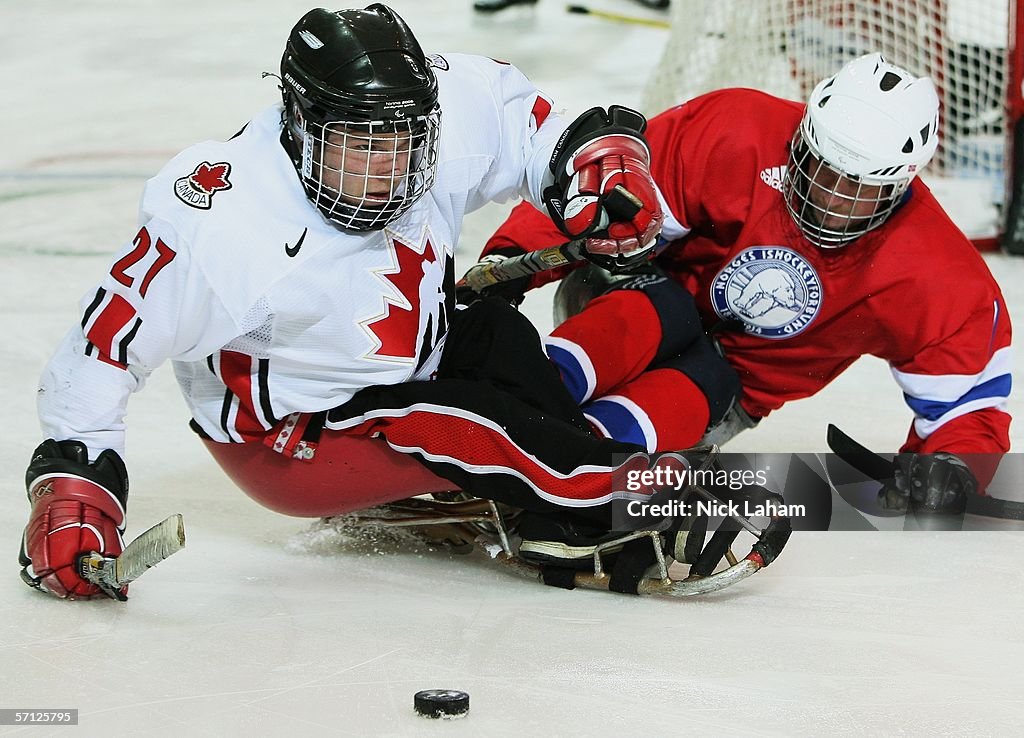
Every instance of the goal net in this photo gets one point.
(786, 47)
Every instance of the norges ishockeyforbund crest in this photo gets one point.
(771, 289)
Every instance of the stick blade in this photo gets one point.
(859, 457)
(149, 549)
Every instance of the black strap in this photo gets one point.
(716, 548)
(632, 562)
(556, 576)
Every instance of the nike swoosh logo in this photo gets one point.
(293, 250)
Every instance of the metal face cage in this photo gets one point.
(831, 207)
(364, 175)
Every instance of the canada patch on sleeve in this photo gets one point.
(197, 189)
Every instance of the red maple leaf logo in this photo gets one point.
(397, 331)
(197, 189)
(210, 178)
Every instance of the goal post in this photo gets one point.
(968, 47)
(1012, 236)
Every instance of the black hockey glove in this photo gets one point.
(929, 483)
(603, 190)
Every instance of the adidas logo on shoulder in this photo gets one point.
(773, 176)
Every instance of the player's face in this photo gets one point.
(366, 169)
(839, 201)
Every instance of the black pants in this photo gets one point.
(498, 421)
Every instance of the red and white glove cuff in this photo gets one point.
(48, 489)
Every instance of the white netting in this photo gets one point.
(786, 46)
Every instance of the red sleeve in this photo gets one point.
(969, 370)
(980, 438)
(712, 134)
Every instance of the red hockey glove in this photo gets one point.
(77, 508)
(603, 190)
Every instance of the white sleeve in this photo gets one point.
(152, 305)
(494, 106)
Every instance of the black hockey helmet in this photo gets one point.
(356, 81)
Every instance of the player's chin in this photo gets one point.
(372, 201)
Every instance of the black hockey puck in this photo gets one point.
(441, 703)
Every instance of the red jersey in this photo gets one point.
(914, 292)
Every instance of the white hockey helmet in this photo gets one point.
(866, 133)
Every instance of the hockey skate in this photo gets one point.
(567, 554)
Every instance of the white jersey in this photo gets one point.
(263, 306)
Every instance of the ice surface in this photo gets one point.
(267, 625)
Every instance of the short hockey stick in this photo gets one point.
(486, 274)
(617, 17)
(112, 573)
(620, 201)
(877, 468)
